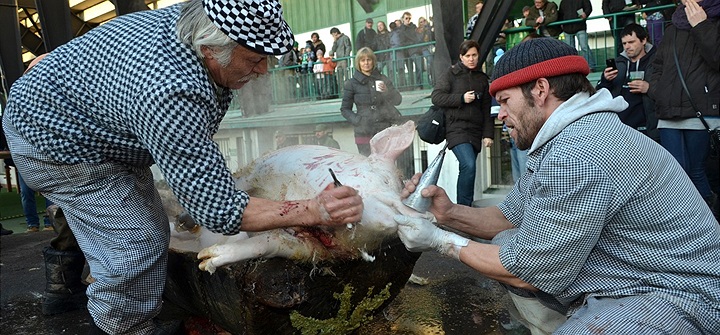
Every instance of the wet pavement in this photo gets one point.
(455, 300)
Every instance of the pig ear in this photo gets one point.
(392, 141)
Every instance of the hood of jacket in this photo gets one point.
(642, 64)
(573, 109)
(649, 51)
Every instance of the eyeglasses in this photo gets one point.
(406, 18)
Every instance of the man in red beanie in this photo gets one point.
(604, 232)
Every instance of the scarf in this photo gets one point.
(680, 20)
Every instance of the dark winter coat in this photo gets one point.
(568, 11)
(375, 110)
(366, 38)
(550, 11)
(464, 123)
(616, 6)
(319, 46)
(409, 36)
(640, 113)
(613, 6)
(698, 51)
(383, 43)
(328, 141)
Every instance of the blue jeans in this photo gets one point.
(690, 148)
(582, 38)
(428, 58)
(518, 159)
(467, 158)
(27, 198)
(415, 68)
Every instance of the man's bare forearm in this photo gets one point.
(483, 222)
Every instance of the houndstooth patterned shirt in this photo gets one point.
(603, 210)
(130, 92)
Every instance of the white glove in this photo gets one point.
(422, 235)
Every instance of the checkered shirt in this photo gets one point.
(130, 92)
(605, 211)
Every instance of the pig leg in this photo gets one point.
(264, 245)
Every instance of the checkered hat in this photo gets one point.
(537, 58)
(256, 24)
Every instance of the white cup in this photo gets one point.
(380, 86)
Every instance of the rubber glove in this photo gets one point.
(419, 234)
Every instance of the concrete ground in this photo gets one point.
(453, 300)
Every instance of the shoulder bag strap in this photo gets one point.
(682, 81)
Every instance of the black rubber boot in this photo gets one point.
(65, 239)
(4, 231)
(64, 289)
(94, 329)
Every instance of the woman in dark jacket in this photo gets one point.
(375, 98)
(463, 92)
(696, 39)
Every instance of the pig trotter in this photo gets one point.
(259, 246)
(215, 256)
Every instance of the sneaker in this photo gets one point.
(48, 228)
(32, 230)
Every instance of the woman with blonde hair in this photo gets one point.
(374, 97)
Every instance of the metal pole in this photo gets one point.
(10, 50)
(55, 21)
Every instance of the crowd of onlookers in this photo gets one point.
(311, 70)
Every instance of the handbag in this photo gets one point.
(431, 125)
(714, 133)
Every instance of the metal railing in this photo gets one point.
(410, 67)
(603, 43)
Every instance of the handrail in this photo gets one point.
(304, 86)
(611, 15)
(352, 58)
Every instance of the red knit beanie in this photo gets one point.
(533, 59)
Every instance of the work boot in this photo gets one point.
(4, 231)
(64, 289)
(65, 239)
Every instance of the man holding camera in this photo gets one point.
(626, 78)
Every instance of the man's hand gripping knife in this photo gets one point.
(419, 234)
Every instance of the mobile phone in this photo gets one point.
(611, 63)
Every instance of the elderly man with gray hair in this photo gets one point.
(150, 88)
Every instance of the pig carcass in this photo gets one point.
(269, 274)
